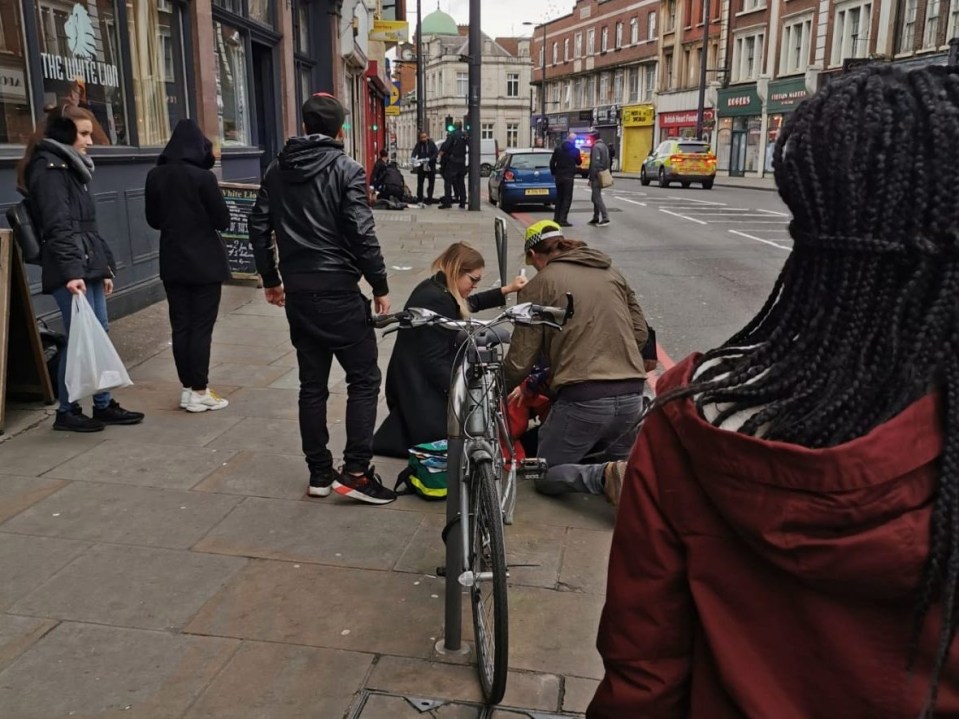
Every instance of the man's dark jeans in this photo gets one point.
(424, 177)
(323, 326)
(193, 312)
(564, 199)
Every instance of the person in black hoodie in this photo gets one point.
(425, 153)
(313, 197)
(184, 202)
(566, 158)
(54, 174)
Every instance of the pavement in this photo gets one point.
(743, 183)
(176, 569)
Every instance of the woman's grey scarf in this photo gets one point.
(83, 164)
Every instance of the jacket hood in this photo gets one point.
(303, 157)
(852, 518)
(585, 256)
(188, 144)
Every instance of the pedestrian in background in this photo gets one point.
(598, 162)
(425, 154)
(55, 174)
(787, 542)
(563, 165)
(184, 202)
(453, 156)
(313, 197)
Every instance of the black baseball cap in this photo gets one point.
(324, 114)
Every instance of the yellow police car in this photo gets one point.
(680, 160)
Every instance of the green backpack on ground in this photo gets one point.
(426, 473)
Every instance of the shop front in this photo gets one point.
(738, 142)
(783, 98)
(606, 123)
(638, 125)
(377, 96)
(682, 124)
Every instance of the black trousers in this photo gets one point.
(323, 326)
(421, 177)
(564, 199)
(193, 311)
(454, 185)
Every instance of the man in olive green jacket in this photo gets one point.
(595, 361)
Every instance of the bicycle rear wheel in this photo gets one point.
(488, 593)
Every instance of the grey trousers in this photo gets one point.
(599, 207)
(574, 433)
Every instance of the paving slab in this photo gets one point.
(402, 675)
(27, 562)
(277, 403)
(258, 434)
(149, 465)
(179, 428)
(287, 360)
(380, 706)
(17, 634)
(19, 493)
(159, 368)
(245, 374)
(123, 514)
(85, 671)
(578, 694)
(353, 535)
(41, 449)
(259, 306)
(259, 474)
(283, 682)
(138, 587)
(245, 354)
(585, 561)
(315, 605)
(278, 338)
(569, 510)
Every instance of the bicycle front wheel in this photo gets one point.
(488, 593)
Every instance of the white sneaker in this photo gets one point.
(210, 400)
(185, 397)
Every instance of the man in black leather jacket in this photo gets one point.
(453, 156)
(313, 197)
(564, 164)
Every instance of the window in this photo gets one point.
(578, 92)
(16, 116)
(542, 55)
(603, 89)
(953, 20)
(591, 41)
(233, 100)
(590, 97)
(747, 56)
(619, 35)
(530, 161)
(566, 50)
(668, 70)
(907, 34)
(670, 16)
(512, 84)
(234, 6)
(651, 26)
(604, 42)
(794, 54)
(261, 11)
(850, 37)
(633, 84)
(462, 84)
(749, 5)
(634, 30)
(578, 45)
(618, 87)
(81, 65)
(301, 50)
(555, 53)
(931, 36)
(512, 134)
(649, 82)
(486, 131)
(568, 94)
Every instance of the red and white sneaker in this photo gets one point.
(366, 488)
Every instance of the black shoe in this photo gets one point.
(602, 223)
(113, 413)
(565, 224)
(594, 221)
(73, 420)
(366, 488)
(321, 483)
(462, 206)
(445, 207)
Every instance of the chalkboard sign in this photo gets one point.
(240, 199)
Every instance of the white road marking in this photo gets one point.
(676, 214)
(632, 202)
(760, 239)
(752, 222)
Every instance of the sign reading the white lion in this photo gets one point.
(82, 43)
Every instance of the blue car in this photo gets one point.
(522, 177)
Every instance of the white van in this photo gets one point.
(489, 153)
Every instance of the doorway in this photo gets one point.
(265, 103)
(737, 156)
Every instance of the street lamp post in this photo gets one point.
(701, 108)
(420, 72)
(542, 89)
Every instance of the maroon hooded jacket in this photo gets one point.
(765, 580)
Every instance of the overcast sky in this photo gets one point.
(500, 17)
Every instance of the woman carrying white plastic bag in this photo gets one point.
(93, 365)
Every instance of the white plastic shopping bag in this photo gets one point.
(93, 364)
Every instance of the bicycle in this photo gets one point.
(481, 471)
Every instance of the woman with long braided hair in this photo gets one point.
(787, 543)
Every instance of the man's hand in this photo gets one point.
(516, 396)
(108, 286)
(516, 285)
(275, 295)
(381, 305)
(76, 287)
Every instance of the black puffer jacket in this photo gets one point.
(65, 216)
(314, 197)
(184, 202)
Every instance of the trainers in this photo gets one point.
(208, 401)
(73, 420)
(113, 413)
(185, 397)
(613, 481)
(602, 223)
(593, 221)
(321, 483)
(366, 488)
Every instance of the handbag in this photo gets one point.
(93, 364)
(605, 179)
(24, 232)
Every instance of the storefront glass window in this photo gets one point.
(80, 63)
(724, 143)
(16, 117)
(232, 88)
(261, 11)
(157, 71)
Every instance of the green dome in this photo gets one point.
(439, 23)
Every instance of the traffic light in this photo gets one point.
(449, 123)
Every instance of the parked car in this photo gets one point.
(682, 161)
(521, 177)
(489, 152)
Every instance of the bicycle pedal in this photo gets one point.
(531, 468)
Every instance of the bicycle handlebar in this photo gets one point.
(522, 314)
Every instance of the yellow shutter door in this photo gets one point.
(637, 142)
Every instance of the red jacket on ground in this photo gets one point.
(761, 579)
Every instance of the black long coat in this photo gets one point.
(418, 377)
(184, 202)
